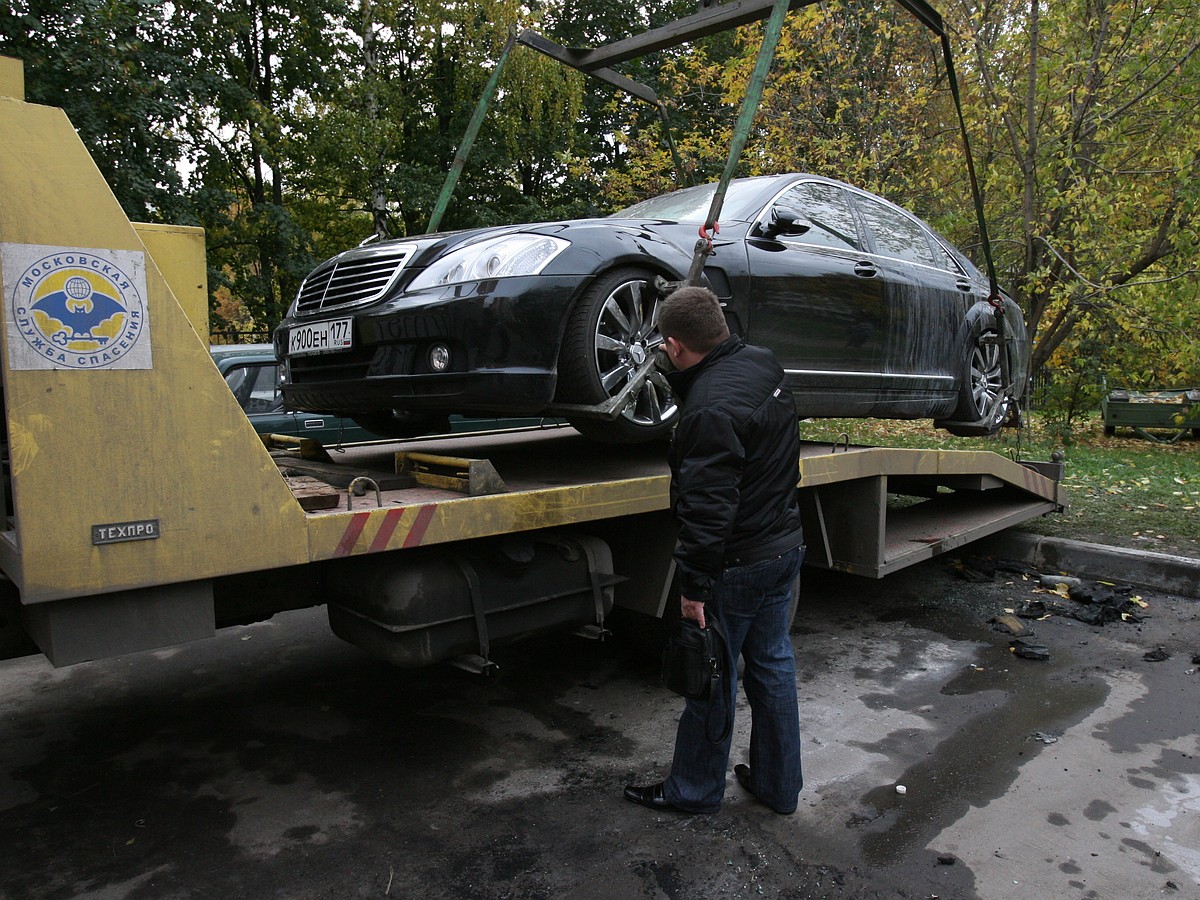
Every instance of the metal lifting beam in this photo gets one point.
(712, 18)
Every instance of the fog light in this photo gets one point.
(439, 358)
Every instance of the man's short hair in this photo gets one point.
(693, 316)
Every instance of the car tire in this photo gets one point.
(981, 393)
(610, 333)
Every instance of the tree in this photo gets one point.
(857, 91)
(1085, 120)
(120, 75)
(258, 62)
(1089, 113)
(382, 143)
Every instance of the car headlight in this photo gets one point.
(514, 254)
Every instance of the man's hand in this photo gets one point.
(691, 609)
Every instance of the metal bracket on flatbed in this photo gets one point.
(612, 407)
(473, 477)
(307, 448)
(358, 487)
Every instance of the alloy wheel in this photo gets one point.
(987, 384)
(626, 335)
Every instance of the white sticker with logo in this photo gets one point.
(73, 308)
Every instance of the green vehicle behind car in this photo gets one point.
(253, 374)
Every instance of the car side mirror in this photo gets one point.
(785, 220)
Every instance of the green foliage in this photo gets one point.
(117, 70)
(850, 96)
(1089, 118)
(1086, 123)
(241, 126)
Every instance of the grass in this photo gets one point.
(1123, 490)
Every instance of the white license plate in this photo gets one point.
(321, 337)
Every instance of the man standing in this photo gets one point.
(735, 460)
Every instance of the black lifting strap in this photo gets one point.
(994, 296)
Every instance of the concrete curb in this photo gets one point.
(1160, 571)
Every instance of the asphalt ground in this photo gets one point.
(276, 761)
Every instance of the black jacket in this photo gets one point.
(735, 461)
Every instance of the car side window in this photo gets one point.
(944, 259)
(256, 387)
(897, 235)
(827, 209)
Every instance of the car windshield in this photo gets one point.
(692, 204)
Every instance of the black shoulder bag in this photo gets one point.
(695, 665)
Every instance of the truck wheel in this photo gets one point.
(981, 394)
(611, 332)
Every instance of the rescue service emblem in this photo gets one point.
(76, 308)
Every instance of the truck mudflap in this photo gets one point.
(455, 603)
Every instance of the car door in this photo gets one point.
(926, 297)
(816, 300)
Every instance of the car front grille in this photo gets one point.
(354, 278)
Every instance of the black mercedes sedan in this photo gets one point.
(870, 312)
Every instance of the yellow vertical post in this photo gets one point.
(178, 251)
(12, 78)
(131, 464)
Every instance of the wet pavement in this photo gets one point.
(275, 761)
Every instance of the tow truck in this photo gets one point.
(127, 528)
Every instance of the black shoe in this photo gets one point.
(651, 796)
(742, 772)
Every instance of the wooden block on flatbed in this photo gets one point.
(313, 493)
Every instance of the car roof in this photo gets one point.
(755, 191)
(221, 352)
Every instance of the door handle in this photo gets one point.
(963, 285)
(865, 270)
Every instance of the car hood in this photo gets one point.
(429, 247)
(371, 272)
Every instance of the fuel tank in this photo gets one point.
(417, 607)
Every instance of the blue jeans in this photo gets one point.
(753, 602)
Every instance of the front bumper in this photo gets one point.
(503, 335)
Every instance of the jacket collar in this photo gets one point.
(682, 381)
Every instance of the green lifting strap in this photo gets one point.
(741, 134)
(994, 297)
(468, 141)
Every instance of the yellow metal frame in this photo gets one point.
(422, 523)
(101, 447)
